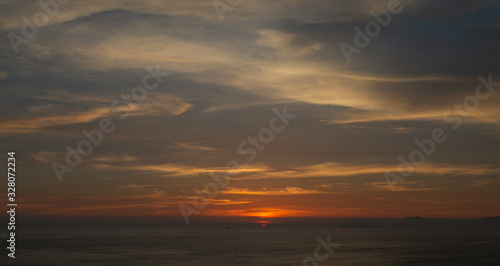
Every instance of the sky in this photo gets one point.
(231, 71)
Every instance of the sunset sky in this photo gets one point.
(352, 120)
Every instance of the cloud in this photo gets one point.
(272, 192)
(290, 45)
(48, 157)
(176, 170)
(406, 186)
(225, 202)
(329, 169)
(194, 147)
(399, 129)
(284, 71)
(342, 11)
(35, 124)
(159, 104)
(110, 158)
(245, 105)
(328, 186)
(479, 184)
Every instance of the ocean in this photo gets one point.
(254, 246)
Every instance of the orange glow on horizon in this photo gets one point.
(263, 213)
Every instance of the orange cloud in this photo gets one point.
(274, 192)
(343, 169)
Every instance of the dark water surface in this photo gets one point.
(262, 246)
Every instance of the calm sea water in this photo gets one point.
(257, 246)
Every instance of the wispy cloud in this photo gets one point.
(407, 186)
(330, 169)
(160, 104)
(479, 184)
(271, 192)
(176, 170)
